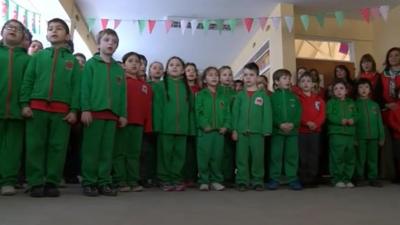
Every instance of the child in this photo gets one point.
(81, 58)
(172, 105)
(341, 114)
(368, 71)
(284, 142)
(312, 118)
(238, 85)
(300, 71)
(50, 100)
(128, 141)
(342, 73)
(369, 132)
(192, 77)
(316, 79)
(212, 117)
(14, 61)
(103, 102)
(156, 72)
(263, 84)
(34, 47)
(251, 121)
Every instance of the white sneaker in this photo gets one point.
(137, 188)
(340, 185)
(204, 187)
(349, 185)
(217, 187)
(8, 190)
(125, 189)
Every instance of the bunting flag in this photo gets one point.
(104, 23)
(16, 12)
(4, 9)
(305, 20)
(25, 18)
(339, 15)
(375, 12)
(248, 22)
(142, 24)
(276, 21)
(232, 24)
(90, 23)
(206, 24)
(366, 13)
(263, 23)
(151, 24)
(116, 24)
(320, 19)
(220, 25)
(344, 48)
(289, 23)
(34, 23)
(194, 24)
(168, 25)
(384, 11)
(39, 22)
(184, 24)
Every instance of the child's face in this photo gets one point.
(306, 84)
(250, 78)
(283, 82)
(156, 70)
(13, 34)
(108, 44)
(56, 33)
(212, 78)
(340, 73)
(175, 68)
(190, 72)
(81, 60)
(261, 84)
(394, 58)
(238, 86)
(300, 72)
(226, 77)
(34, 47)
(340, 91)
(366, 66)
(363, 90)
(132, 65)
(143, 65)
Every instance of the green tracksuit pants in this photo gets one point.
(11, 139)
(210, 152)
(171, 155)
(126, 158)
(97, 152)
(367, 157)
(47, 136)
(284, 153)
(342, 157)
(250, 159)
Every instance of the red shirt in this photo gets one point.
(392, 119)
(313, 110)
(55, 107)
(139, 103)
(104, 115)
(250, 93)
(373, 77)
(386, 78)
(195, 88)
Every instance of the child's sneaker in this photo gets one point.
(258, 187)
(242, 187)
(167, 187)
(340, 185)
(107, 190)
(51, 190)
(124, 189)
(349, 185)
(204, 187)
(137, 188)
(272, 185)
(62, 184)
(90, 191)
(296, 185)
(36, 191)
(180, 187)
(217, 187)
(8, 190)
(375, 183)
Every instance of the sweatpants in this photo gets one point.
(367, 159)
(284, 153)
(309, 146)
(210, 152)
(342, 157)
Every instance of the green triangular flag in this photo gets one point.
(5, 9)
(90, 23)
(34, 23)
(220, 25)
(232, 24)
(321, 19)
(142, 25)
(206, 24)
(305, 20)
(339, 18)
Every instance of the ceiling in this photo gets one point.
(203, 48)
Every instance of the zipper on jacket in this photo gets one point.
(109, 85)
(249, 110)
(214, 114)
(368, 119)
(284, 106)
(342, 113)
(53, 70)
(177, 105)
(10, 78)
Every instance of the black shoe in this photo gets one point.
(51, 190)
(72, 180)
(242, 187)
(375, 183)
(36, 191)
(90, 191)
(107, 190)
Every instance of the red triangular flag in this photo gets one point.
(263, 22)
(168, 25)
(152, 23)
(104, 23)
(116, 23)
(248, 22)
(366, 14)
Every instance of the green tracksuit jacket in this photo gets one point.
(286, 109)
(369, 124)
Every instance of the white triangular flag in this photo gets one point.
(276, 22)
(384, 10)
(193, 25)
(184, 24)
(289, 23)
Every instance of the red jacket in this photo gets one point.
(385, 78)
(139, 103)
(313, 109)
(392, 120)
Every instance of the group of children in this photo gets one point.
(211, 132)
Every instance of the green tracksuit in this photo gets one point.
(14, 62)
(252, 120)
(103, 88)
(172, 115)
(53, 76)
(212, 112)
(284, 146)
(369, 132)
(342, 157)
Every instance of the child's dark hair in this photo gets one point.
(194, 66)
(28, 35)
(280, 73)
(208, 69)
(144, 59)
(252, 66)
(60, 21)
(70, 45)
(129, 54)
(238, 82)
(387, 64)
(339, 81)
(362, 81)
(367, 58)
(80, 55)
(15, 21)
(306, 74)
(166, 77)
(343, 67)
(104, 32)
(301, 68)
(37, 41)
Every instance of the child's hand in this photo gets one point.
(222, 130)
(86, 118)
(27, 112)
(122, 122)
(234, 135)
(70, 118)
(207, 129)
(344, 122)
(311, 125)
(391, 106)
(290, 126)
(350, 122)
(267, 134)
(382, 143)
(284, 127)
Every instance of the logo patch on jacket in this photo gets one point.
(69, 65)
(317, 105)
(259, 101)
(144, 89)
(292, 102)
(118, 79)
(221, 104)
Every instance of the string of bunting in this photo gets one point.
(12, 10)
